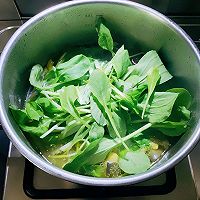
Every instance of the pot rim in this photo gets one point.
(48, 167)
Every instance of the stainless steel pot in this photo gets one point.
(72, 23)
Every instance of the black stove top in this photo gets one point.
(4, 144)
(96, 192)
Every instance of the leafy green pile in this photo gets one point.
(98, 110)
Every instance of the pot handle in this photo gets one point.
(7, 29)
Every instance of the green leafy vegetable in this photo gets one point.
(186, 113)
(96, 113)
(160, 108)
(121, 62)
(34, 111)
(84, 94)
(105, 40)
(73, 69)
(104, 147)
(19, 115)
(47, 106)
(184, 98)
(172, 128)
(68, 95)
(80, 160)
(100, 86)
(35, 78)
(43, 125)
(134, 162)
(71, 128)
(147, 62)
(152, 79)
(96, 132)
(120, 122)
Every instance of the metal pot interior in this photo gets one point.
(141, 29)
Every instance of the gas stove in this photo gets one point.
(19, 179)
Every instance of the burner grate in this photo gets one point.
(95, 191)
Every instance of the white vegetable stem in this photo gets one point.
(51, 129)
(117, 91)
(131, 135)
(82, 128)
(53, 102)
(50, 93)
(84, 110)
